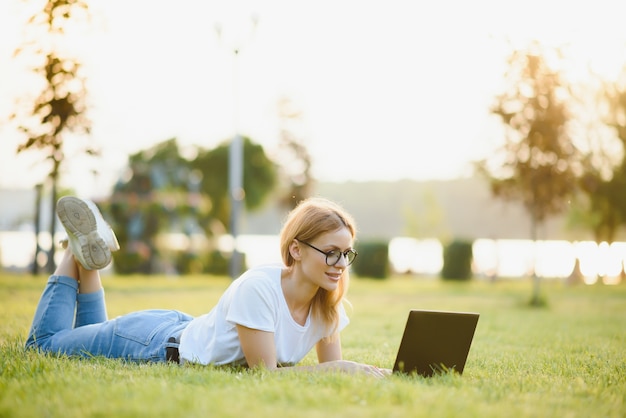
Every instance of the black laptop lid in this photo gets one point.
(435, 341)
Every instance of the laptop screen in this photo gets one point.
(435, 342)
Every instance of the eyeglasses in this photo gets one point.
(333, 256)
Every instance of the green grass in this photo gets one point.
(567, 359)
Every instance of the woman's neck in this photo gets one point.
(298, 293)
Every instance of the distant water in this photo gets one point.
(516, 258)
(17, 249)
(492, 258)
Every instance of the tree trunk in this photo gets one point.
(51, 265)
(535, 299)
(35, 266)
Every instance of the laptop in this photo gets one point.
(435, 342)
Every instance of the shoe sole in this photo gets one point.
(80, 222)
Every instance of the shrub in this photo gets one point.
(217, 263)
(189, 263)
(131, 262)
(373, 260)
(457, 260)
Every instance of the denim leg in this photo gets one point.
(143, 335)
(55, 311)
(90, 308)
(138, 336)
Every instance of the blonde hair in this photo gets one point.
(311, 218)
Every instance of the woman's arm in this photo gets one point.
(260, 351)
(329, 350)
(258, 347)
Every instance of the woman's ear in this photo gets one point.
(294, 250)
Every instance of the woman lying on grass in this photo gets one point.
(271, 316)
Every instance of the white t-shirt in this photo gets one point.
(255, 300)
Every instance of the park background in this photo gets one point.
(393, 100)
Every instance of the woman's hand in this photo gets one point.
(352, 367)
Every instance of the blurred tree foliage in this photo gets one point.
(565, 145)
(538, 162)
(61, 103)
(259, 177)
(164, 193)
(603, 208)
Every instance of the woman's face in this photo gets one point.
(313, 262)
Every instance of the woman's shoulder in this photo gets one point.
(267, 275)
(257, 283)
(268, 271)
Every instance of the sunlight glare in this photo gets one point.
(601, 261)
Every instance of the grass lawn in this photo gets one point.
(567, 359)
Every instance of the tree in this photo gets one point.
(159, 193)
(426, 220)
(538, 162)
(60, 105)
(606, 210)
(163, 192)
(259, 177)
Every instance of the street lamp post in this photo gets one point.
(236, 191)
(236, 194)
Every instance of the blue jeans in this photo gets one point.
(75, 324)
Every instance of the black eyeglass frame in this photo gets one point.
(329, 253)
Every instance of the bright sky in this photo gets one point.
(389, 89)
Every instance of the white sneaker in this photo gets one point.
(90, 238)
